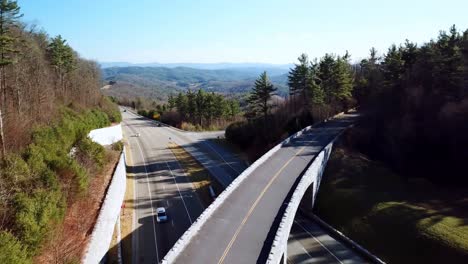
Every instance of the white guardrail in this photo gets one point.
(313, 174)
(196, 226)
(107, 135)
(104, 228)
(109, 213)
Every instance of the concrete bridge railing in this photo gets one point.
(196, 226)
(312, 175)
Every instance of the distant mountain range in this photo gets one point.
(158, 82)
(204, 66)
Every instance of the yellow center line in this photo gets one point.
(252, 208)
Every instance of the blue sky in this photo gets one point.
(270, 31)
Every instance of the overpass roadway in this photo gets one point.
(242, 228)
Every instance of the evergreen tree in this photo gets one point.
(260, 96)
(9, 15)
(181, 104)
(200, 102)
(62, 59)
(191, 105)
(299, 79)
(233, 108)
(344, 81)
(171, 101)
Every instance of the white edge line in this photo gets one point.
(297, 223)
(151, 200)
(225, 162)
(180, 194)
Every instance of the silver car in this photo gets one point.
(161, 215)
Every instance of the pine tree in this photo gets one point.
(234, 108)
(62, 58)
(200, 102)
(9, 14)
(260, 96)
(171, 101)
(299, 79)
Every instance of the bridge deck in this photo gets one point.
(242, 229)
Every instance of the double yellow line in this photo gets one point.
(252, 208)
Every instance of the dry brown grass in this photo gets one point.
(198, 175)
(126, 215)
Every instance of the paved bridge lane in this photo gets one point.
(240, 230)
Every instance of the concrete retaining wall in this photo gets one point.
(106, 136)
(196, 226)
(104, 228)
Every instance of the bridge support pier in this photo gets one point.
(284, 258)
(307, 202)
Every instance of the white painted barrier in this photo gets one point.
(104, 228)
(313, 174)
(107, 135)
(196, 226)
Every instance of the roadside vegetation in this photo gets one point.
(399, 185)
(318, 90)
(198, 175)
(49, 101)
(191, 110)
(400, 220)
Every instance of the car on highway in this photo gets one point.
(161, 215)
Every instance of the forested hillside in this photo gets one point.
(414, 99)
(158, 83)
(50, 100)
(399, 173)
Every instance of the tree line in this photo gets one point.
(37, 73)
(414, 99)
(190, 109)
(49, 101)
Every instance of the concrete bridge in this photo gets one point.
(251, 220)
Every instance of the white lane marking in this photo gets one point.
(151, 200)
(300, 245)
(180, 194)
(221, 157)
(135, 212)
(297, 223)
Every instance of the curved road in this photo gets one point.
(241, 230)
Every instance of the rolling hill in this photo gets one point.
(159, 82)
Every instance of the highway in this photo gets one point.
(161, 182)
(242, 229)
(309, 243)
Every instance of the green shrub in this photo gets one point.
(241, 133)
(15, 171)
(39, 201)
(35, 213)
(118, 146)
(11, 250)
(92, 151)
(111, 109)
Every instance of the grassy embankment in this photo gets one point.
(46, 183)
(401, 221)
(199, 176)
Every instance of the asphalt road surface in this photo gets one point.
(161, 182)
(309, 243)
(243, 228)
